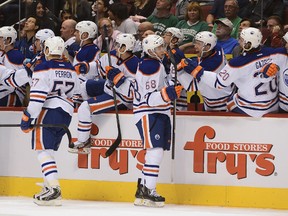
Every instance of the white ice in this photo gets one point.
(23, 206)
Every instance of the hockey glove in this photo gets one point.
(171, 93)
(28, 70)
(191, 67)
(82, 68)
(26, 126)
(178, 55)
(270, 70)
(115, 75)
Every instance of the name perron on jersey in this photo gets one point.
(53, 85)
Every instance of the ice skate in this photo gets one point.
(80, 147)
(152, 199)
(139, 199)
(49, 196)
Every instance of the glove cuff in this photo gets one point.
(164, 95)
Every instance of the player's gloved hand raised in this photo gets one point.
(178, 55)
(28, 70)
(191, 66)
(26, 122)
(171, 93)
(115, 75)
(82, 68)
(270, 70)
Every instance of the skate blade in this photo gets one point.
(55, 202)
(79, 151)
(139, 202)
(150, 203)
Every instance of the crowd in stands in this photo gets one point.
(225, 18)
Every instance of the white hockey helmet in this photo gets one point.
(43, 34)
(126, 39)
(285, 37)
(55, 46)
(87, 26)
(251, 35)
(8, 32)
(151, 42)
(176, 32)
(207, 38)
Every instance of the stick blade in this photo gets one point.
(113, 147)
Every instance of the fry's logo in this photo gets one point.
(118, 160)
(235, 155)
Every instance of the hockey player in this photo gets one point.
(282, 61)
(11, 58)
(54, 83)
(151, 108)
(40, 38)
(84, 60)
(172, 37)
(253, 73)
(212, 58)
(120, 73)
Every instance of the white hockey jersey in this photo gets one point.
(54, 83)
(13, 59)
(280, 57)
(255, 95)
(129, 67)
(89, 53)
(151, 77)
(214, 99)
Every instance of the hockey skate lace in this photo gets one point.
(154, 193)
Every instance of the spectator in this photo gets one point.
(83, 10)
(275, 33)
(181, 8)
(192, 24)
(245, 23)
(119, 13)
(45, 17)
(25, 44)
(145, 7)
(217, 11)
(100, 9)
(111, 33)
(231, 9)
(162, 18)
(67, 32)
(260, 13)
(143, 28)
(223, 33)
(65, 14)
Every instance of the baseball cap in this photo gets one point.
(225, 22)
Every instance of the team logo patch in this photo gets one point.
(157, 137)
(285, 77)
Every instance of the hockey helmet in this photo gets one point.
(55, 46)
(208, 38)
(285, 37)
(151, 42)
(8, 32)
(251, 35)
(87, 26)
(176, 32)
(43, 34)
(126, 39)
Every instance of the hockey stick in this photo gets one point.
(172, 59)
(119, 137)
(45, 125)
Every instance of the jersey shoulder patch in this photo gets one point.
(149, 66)
(132, 64)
